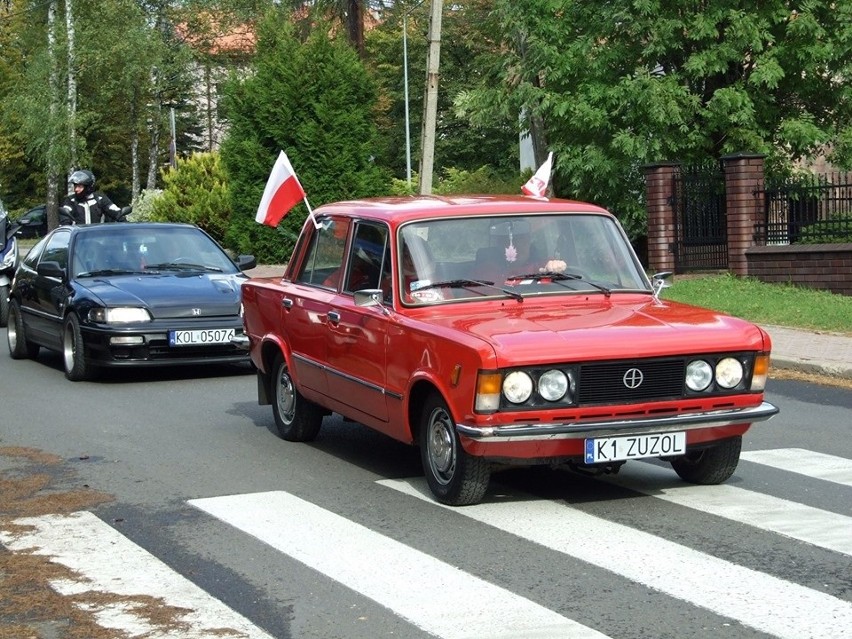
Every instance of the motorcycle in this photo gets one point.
(8, 261)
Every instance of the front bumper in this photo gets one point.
(592, 428)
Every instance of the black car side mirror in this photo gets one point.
(246, 262)
(51, 269)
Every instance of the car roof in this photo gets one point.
(403, 209)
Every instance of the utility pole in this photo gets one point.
(430, 102)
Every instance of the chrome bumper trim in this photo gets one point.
(604, 428)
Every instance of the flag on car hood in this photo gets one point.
(537, 184)
(283, 191)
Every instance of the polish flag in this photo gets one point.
(537, 184)
(283, 191)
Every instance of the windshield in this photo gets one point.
(125, 248)
(515, 256)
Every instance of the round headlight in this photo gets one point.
(553, 385)
(517, 387)
(729, 372)
(699, 374)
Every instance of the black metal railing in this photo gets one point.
(701, 239)
(809, 209)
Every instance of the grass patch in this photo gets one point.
(763, 303)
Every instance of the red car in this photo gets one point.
(495, 331)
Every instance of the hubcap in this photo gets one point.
(68, 350)
(286, 396)
(441, 446)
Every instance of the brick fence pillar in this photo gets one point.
(744, 205)
(659, 189)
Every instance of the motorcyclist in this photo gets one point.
(85, 205)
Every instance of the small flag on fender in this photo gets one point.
(283, 191)
(537, 184)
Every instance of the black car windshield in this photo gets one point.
(463, 258)
(113, 249)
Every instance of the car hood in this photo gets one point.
(171, 295)
(526, 333)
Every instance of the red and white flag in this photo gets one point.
(283, 191)
(537, 184)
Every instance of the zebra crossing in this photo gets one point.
(412, 584)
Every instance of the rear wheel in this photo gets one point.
(296, 418)
(711, 465)
(19, 346)
(454, 477)
(74, 356)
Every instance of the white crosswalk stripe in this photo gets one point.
(804, 462)
(798, 521)
(115, 579)
(105, 562)
(412, 583)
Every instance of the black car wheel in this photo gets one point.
(77, 367)
(4, 305)
(711, 465)
(19, 346)
(454, 477)
(296, 418)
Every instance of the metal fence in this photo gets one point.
(810, 209)
(701, 238)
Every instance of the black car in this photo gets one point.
(33, 223)
(133, 294)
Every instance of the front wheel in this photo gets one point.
(711, 465)
(296, 418)
(4, 305)
(77, 366)
(454, 477)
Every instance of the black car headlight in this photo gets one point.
(119, 315)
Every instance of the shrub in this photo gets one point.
(196, 192)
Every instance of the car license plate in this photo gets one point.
(201, 337)
(608, 449)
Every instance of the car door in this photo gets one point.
(357, 335)
(43, 303)
(307, 302)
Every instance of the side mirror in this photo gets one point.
(51, 269)
(658, 281)
(246, 262)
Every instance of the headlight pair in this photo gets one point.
(728, 373)
(552, 385)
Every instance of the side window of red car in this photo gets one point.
(367, 260)
(323, 264)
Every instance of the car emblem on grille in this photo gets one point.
(197, 311)
(633, 378)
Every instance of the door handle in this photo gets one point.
(287, 303)
(334, 317)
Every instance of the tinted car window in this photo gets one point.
(368, 258)
(56, 249)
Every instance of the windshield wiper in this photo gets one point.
(561, 277)
(183, 266)
(110, 271)
(462, 283)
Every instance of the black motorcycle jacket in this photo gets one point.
(88, 209)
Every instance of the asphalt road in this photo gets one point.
(173, 485)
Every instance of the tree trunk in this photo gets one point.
(72, 87)
(52, 199)
(154, 128)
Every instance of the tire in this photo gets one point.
(711, 465)
(19, 346)
(454, 477)
(296, 418)
(4, 305)
(74, 356)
